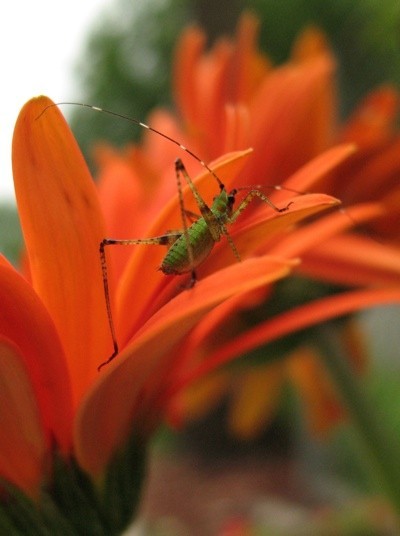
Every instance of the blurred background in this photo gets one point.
(119, 57)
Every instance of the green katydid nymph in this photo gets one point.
(190, 246)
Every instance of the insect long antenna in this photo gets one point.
(140, 124)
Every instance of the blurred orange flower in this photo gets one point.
(229, 98)
(54, 329)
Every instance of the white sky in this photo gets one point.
(40, 41)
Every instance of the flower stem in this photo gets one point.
(381, 449)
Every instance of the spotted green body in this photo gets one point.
(200, 238)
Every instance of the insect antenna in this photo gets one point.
(140, 124)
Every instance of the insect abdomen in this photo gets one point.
(177, 260)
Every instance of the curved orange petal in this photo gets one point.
(322, 405)
(237, 125)
(23, 446)
(352, 259)
(123, 204)
(212, 75)
(108, 413)
(187, 55)
(289, 103)
(368, 176)
(374, 119)
(62, 226)
(317, 168)
(255, 399)
(292, 321)
(313, 234)
(248, 66)
(25, 321)
(255, 232)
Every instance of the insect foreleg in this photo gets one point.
(249, 197)
(179, 168)
(164, 240)
(231, 243)
(205, 210)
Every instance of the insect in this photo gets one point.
(191, 245)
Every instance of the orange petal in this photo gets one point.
(322, 405)
(248, 66)
(292, 321)
(211, 81)
(314, 234)
(354, 260)
(25, 321)
(291, 119)
(317, 168)
(62, 226)
(237, 125)
(108, 413)
(23, 446)
(368, 176)
(188, 53)
(257, 231)
(255, 399)
(123, 203)
(373, 120)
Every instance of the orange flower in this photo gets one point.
(54, 329)
(230, 98)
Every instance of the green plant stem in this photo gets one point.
(381, 448)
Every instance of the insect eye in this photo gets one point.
(232, 193)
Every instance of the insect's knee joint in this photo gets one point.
(179, 165)
(106, 242)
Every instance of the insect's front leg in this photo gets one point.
(164, 240)
(249, 197)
